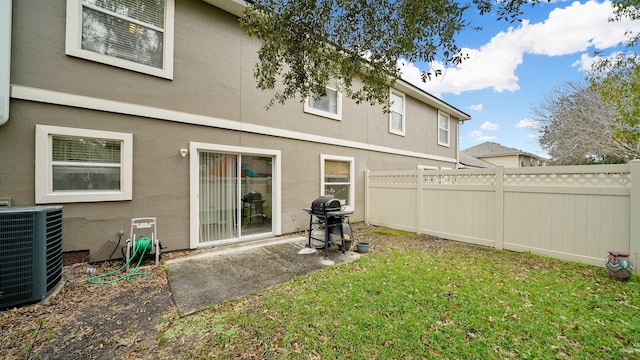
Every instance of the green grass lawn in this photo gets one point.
(415, 297)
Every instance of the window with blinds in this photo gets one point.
(336, 171)
(81, 165)
(337, 178)
(85, 163)
(133, 34)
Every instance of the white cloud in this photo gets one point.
(479, 136)
(570, 30)
(476, 107)
(528, 124)
(586, 60)
(488, 125)
(475, 133)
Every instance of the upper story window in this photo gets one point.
(131, 34)
(328, 105)
(396, 114)
(443, 128)
(79, 165)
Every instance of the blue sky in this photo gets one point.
(512, 66)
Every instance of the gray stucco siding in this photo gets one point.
(213, 76)
(212, 99)
(161, 175)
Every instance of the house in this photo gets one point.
(466, 161)
(118, 113)
(503, 156)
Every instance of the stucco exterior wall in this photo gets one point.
(212, 85)
(213, 76)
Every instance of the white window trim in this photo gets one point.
(447, 144)
(427, 167)
(73, 43)
(44, 169)
(314, 111)
(351, 160)
(404, 117)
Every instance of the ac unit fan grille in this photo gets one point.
(16, 257)
(30, 253)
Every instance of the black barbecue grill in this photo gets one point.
(325, 204)
(334, 222)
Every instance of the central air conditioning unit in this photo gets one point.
(30, 253)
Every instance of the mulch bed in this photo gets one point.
(91, 321)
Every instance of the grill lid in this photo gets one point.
(324, 204)
(252, 196)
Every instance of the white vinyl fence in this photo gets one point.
(573, 213)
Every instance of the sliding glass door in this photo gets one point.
(235, 196)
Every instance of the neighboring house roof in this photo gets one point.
(469, 161)
(236, 7)
(491, 149)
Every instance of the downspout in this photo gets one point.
(458, 143)
(5, 59)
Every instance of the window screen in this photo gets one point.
(443, 129)
(328, 103)
(127, 29)
(337, 180)
(397, 113)
(85, 163)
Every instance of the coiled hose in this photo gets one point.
(142, 246)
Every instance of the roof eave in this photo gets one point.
(235, 7)
(417, 93)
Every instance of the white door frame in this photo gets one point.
(194, 186)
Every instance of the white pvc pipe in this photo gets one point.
(5, 59)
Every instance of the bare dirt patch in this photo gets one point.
(90, 321)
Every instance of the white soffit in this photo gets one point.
(235, 7)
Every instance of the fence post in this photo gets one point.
(419, 173)
(366, 196)
(499, 198)
(634, 214)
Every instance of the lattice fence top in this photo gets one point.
(458, 179)
(393, 179)
(257, 181)
(607, 176)
(410, 178)
(570, 179)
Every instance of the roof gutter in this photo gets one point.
(235, 7)
(5, 59)
(417, 93)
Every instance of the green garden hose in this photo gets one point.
(142, 246)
